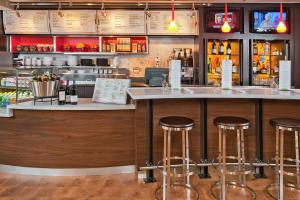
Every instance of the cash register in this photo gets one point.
(155, 76)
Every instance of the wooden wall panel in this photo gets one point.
(68, 139)
(275, 109)
(230, 107)
(187, 108)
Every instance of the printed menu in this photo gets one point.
(120, 22)
(26, 22)
(186, 20)
(285, 75)
(111, 90)
(226, 74)
(73, 22)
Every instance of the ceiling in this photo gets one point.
(74, 4)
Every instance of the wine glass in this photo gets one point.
(165, 84)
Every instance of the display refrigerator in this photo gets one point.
(265, 57)
(218, 50)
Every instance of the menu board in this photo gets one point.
(186, 21)
(26, 22)
(73, 22)
(121, 22)
(111, 90)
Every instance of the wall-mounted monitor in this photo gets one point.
(215, 17)
(266, 21)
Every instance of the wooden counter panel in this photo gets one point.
(141, 133)
(67, 139)
(187, 108)
(230, 107)
(275, 109)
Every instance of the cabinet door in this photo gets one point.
(80, 90)
(88, 91)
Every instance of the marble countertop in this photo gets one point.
(83, 104)
(240, 92)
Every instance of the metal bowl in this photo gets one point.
(44, 89)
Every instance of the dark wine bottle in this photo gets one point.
(228, 49)
(214, 48)
(68, 95)
(221, 48)
(74, 94)
(61, 94)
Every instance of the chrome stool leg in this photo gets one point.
(238, 142)
(223, 167)
(169, 166)
(165, 165)
(281, 186)
(297, 158)
(243, 183)
(187, 157)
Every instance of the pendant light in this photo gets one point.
(281, 28)
(226, 27)
(173, 26)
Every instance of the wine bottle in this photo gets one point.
(68, 95)
(214, 48)
(74, 94)
(209, 65)
(61, 94)
(255, 50)
(190, 59)
(228, 48)
(221, 48)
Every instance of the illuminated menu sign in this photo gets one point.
(26, 22)
(73, 22)
(121, 22)
(158, 22)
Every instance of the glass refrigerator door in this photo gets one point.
(218, 50)
(265, 60)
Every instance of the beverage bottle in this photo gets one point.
(61, 94)
(214, 48)
(221, 48)
(74, 94)
(228, 48)
(68, 95)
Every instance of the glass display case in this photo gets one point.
(218, 50)
(265, 59)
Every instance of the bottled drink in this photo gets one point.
(255, 50)
(74, 94)
(228, 48)
(190, 59)
(209, 65)
(68, 95)
(61, 94)
(214, 48)
(221, 48)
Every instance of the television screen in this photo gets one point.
(215, 19)
(266, 21)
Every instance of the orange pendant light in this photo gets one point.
(281, 28)
(226, 27)
(173, 26)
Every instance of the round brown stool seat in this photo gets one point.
(231, 122)
(285, 123)
(176, 122)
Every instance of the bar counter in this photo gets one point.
(93, 135)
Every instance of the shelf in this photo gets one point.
(90, 53)
(223, 55)
(14, 87)
(267, 55)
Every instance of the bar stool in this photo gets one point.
(239, 125)
(285, 125)
(170, 125)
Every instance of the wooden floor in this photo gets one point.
(107, 187)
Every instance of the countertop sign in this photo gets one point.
(122, 22)
(26, 22)
(73, 22)
(159, 21)
(111, 90)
